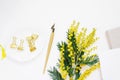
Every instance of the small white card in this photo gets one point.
(110, 64)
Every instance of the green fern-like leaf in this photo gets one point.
(91, 60)
(55, 75)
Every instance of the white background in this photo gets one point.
(101, 14)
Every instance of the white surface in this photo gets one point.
(110, 65)
(102, 14)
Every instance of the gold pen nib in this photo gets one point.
(53, 27)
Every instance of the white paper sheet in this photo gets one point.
(110, 64)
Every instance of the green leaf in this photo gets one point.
(77, 75)
(59, 45)
(70, 72)
(90, 60)
(55, 75)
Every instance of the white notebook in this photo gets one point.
(113, 37)
(110, 64)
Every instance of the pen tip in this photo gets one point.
(53, 27)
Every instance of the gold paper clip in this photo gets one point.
(13, 44)
(31, 41)
(20, 47)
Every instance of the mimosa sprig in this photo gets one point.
(75, 53)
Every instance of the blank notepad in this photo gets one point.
(113, 37)
(110, 65)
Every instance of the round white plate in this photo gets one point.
(21, 33)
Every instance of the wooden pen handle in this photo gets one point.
(48, 50)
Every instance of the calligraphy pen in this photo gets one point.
(49, 47)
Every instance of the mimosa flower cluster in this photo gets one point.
(75, 54)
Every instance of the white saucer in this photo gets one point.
(21, 33)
